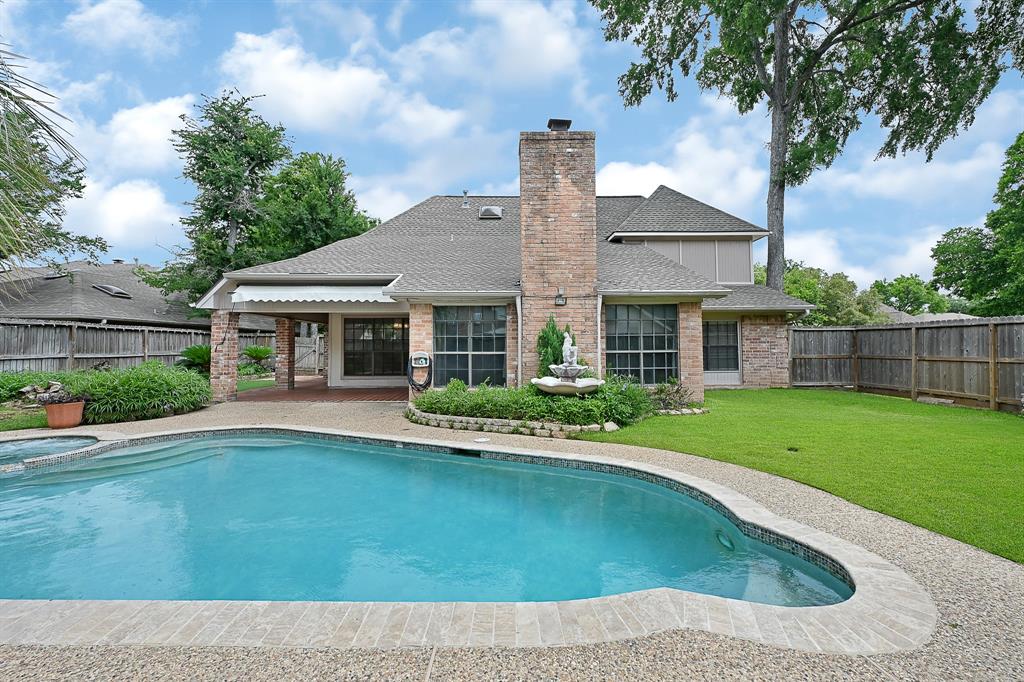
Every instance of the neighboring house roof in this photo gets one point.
(755, 297)
(40, 293)
(898, 316)
(440, 247)
(667, 210)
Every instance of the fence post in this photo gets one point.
(792, 362)
(72, 339)
(913, 363)
(993, 370)
(145, 345)
(855, 362)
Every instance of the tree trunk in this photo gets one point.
(233, 234)
(777, 152)
(777, 200)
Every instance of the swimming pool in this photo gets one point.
(274, 517)
(13, 451)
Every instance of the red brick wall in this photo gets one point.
(558, 231)
(284, 367)
(691, 349)
(764, 343)
(511, 344)
(224, 355)
(421, 334)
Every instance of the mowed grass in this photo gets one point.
(13, 419)
(249, 384)
(956, 471)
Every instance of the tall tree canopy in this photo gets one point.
(254, 202)
(911, 294)
(985, 265)
(39, 172)
(835, 295)
(821, 67)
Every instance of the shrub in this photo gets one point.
(671, 395)
(12, 382)
(549, 346)
(196, 357)
(251, 369)
(257, 354)
(620, 401)
(145, 392)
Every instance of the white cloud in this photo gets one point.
(124, 24)
(904, 254)
(716, 158)
(397, 16)
(129, 214)
(307, 93)
(137, 138)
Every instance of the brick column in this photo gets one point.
(224, 355)
(764, 349)
(421, 335)
(284, 367)
(511, 345)
(691, 349)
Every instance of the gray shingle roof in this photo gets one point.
(667, 210)
(439, 246)
(33, 296)
(755, 297)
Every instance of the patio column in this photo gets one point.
(421, 335)
(224, 355)
(691, 349)
(284, 367)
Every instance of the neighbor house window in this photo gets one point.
(641, 341)
(469, 344)
(376, 347)
(721, 347)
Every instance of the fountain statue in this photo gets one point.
(567, 379)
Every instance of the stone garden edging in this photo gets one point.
(519, 426)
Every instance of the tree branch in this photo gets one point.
(762, 71)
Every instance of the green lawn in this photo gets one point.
(247, 384)
(957, 471)
(13, 420)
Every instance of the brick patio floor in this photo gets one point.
(314, 389)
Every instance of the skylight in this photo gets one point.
(111, 290)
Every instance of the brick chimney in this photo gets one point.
(558, 232)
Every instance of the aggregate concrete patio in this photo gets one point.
(980, 597)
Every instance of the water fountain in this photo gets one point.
(567, 380)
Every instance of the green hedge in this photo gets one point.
(619, 401)
(145, 392)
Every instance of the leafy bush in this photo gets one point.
(549, 346)
(251, 369)
(619, 400)
(144, 392)
(671, 395)
(257, 354)
(196, 357)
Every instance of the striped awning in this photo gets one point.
(260, 293)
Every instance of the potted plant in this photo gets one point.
(63, 409)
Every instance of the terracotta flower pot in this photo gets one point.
(64, 415)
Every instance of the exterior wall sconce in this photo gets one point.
(560, 296)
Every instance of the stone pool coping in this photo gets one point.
(888, 611)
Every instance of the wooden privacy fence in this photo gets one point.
(974, 361)
(60, 345)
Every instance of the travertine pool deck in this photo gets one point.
(978, 599)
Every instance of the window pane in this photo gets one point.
(641, 341)
(469, 344)
(368, 341)
(721, 346)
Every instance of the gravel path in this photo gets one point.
(980, 597)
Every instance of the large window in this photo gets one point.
(469, 344)
(721, 347)
(642, 341)
(377, 347)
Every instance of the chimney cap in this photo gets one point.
(555, 124)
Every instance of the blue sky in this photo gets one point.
(426, 98)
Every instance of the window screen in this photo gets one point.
(641, 341)
(469, 344)
(721, 347)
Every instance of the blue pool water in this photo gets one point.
(287, 518)
(12, 451)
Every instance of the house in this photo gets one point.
(653, 287)
(108, 293)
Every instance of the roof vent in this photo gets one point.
(55, 275)
(465, 198)
(117, 261)
(111, 290)
(556, 124)
(490, 213)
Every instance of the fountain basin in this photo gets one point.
(557, 386)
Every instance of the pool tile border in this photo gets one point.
(887, 612)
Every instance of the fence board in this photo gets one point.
(953, 359)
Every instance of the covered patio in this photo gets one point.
(315, 389)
